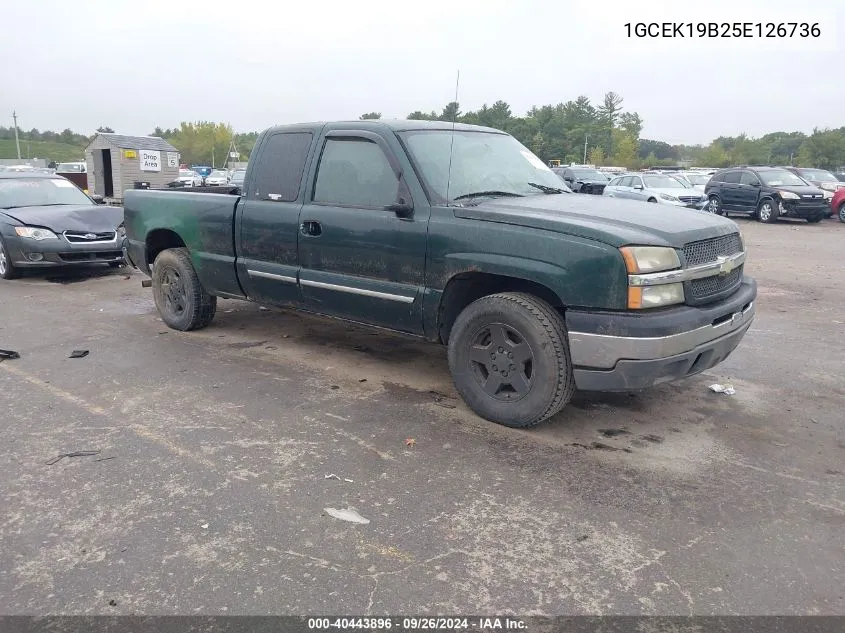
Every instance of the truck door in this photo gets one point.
(267, 227)
(361, 256)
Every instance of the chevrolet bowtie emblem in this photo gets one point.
(90, 236)
(726, 265)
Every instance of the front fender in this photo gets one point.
(581, 273)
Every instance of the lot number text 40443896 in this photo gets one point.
(723, 29)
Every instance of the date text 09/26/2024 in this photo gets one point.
(723, 29)
(405, 623)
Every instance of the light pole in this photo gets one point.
(586, 136)
(17, 141)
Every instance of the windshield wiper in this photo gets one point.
(478, 194)
(546, 188)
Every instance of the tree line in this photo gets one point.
(610, 135)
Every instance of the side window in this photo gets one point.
(355, 172)
(278, 170)
(747, 178)
(731, 177)
(624, 182)
(636, 181)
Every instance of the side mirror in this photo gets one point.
(98, 199)
(638, 187)
(755, 184)
(402, 209)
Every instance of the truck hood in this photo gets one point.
(89, 217)
(608, 220)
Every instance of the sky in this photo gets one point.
(135, 65)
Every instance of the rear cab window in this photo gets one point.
(279, 168)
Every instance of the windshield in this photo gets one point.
(697, 179)
(481, 161)
(218, 174)
(781, 178)
(664, 182)
(186, 173)
(70, 167)
(238, 175)
(817, 174)
(589, 174)
(36, 192)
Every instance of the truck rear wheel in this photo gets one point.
(179, 296)
(509, 359)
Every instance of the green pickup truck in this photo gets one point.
(460, 235)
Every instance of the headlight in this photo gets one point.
(641, 297)
(828, 195)
(828, 186)
(788, 195)
(649, 259)
(34, 233)
(666, 196)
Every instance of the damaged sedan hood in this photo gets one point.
(69, 217)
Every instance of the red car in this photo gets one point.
(837, 204)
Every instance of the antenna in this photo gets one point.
(452, 139)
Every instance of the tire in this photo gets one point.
(816, 218)
(7, 268)
(654, 200)
(179, 296)
(767, 211)
(714, 205)
(842, 212)
(525, 326)
(588, 189)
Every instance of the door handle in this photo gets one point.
(311, 228)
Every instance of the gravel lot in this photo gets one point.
(209, 488)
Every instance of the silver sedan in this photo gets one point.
(657, 188)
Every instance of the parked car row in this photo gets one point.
(195, 177)
(765, 193)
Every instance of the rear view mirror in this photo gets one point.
(638, 186)
(402, 209)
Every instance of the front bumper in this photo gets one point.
(625, 351)
(27, 253)
(789, 209)
(695, 204)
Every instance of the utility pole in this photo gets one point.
(17, 140)
(586, 136)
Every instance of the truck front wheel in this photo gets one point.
(509, 359)
(179, 296)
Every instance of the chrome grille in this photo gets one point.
(700, 290)
(705, 251)
(689, 199)
(80, 237)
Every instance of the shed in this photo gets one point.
(117, 162)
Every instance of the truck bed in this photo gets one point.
(203, 221)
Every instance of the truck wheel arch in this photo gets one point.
(160, 240)
(464, 288)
